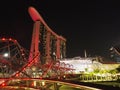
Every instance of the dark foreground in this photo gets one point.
(96, 85)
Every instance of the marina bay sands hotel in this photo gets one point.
(50, 45)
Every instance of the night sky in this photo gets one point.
(92, 25)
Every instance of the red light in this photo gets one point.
(15, 40)
(28, 65)
(17, 75)
(23, 54)
(10, 39)
(3, 39)
(32, 84)
(3, 84)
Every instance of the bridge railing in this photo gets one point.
(41, 84)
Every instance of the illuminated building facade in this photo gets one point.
(82, 64)
(50, 45)
(89, 64)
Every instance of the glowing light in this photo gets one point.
(3, 39)
(6, 55)
(17, 75)
(3, 84)
(33, 68)
(43, 83)
(10, 39)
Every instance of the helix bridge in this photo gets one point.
(14, 63)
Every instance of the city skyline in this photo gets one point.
(87, 25)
